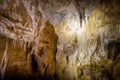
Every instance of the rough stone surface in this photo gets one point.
(59, 39)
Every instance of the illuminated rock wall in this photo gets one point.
(59, 39)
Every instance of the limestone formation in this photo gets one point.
(59, 39)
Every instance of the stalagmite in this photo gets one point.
(4, 62)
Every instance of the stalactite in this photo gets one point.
(28, 45)
(13, 42)
(4, 62)
(83, 15)
(25, 45)
(20, 43)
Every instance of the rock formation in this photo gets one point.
(59, 39)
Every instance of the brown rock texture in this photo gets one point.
(59, 39)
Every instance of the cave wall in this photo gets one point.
(60, 40)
